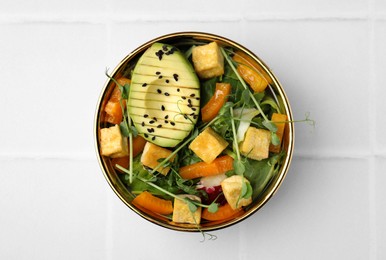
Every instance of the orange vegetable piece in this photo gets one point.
(201, 169)
(280, 130)
(251, 72)
(148, 201)
(138, 145)
(220, 96)
(224, 212)
(113, 107)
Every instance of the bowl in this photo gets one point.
(114, 177)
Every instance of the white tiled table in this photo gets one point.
(330, 57)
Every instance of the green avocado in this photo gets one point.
(164, 99)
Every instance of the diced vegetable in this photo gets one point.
(153, 203)
(182, 212)
(219, 165)
(138, 145)
(220, 96)
(279, 120)
(251, 72)
(112, 142)
(113, 107)
(223, 213)
(232, 188)
(152, 154)
(208, 145)
(256, 143)
(208, 60)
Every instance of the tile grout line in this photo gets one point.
(372, 126)
(109, 203)
(107, 18)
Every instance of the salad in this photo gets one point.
(194, 131)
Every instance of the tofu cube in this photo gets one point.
(152, 153)
(182, 213)
(112, 143)
(208, 145)
(256, 143)
(231, 188)
(208, 60)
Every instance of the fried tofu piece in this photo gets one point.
(112, 143)
(208, 60)
(208, 145)
(152, 153)
(256, 143)
(231, 188)
(182, 213)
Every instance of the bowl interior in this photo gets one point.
(178, 40)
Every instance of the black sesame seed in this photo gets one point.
(166, 121)
(144, 84)
(157, 73)
(155, 119)
(160, 76)
(159, 54)
(167, 94)
(197, 98)
(178, 90)
(145, 115)
(159, 126)
(159, 91)
(163, 108)
(167, 81)
(172, 123)
(150, 130)
(165, 47)
(183, 97)
(194, 109)
(143, 124)
(175, 76)
(153, 138)
(195, 117)
(151, 122)
(192, 95)
(167, 116)
(189, 101)
(146, 135)
(190, 105)
(185, 116)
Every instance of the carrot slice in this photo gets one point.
(138, 145)
(113, 107)
(201, 169)
(223, 212)
(148, 201)
(251, 72)
(279, 120)
(220, 96)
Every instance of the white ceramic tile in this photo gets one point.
(380, 193)
(52, 75)
(123, 42)
(43, 7)
(52, 209)
(320, 212)
(380, 90)
(306, 8)
(177, 10)
(324, 69)
(130, 231)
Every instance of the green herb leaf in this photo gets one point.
(213, 208)
(270, 126)
(239, 167)
(125, 130)
(246, 190)
(275, 139)
(191, 205)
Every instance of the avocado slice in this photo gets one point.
(164, 99)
